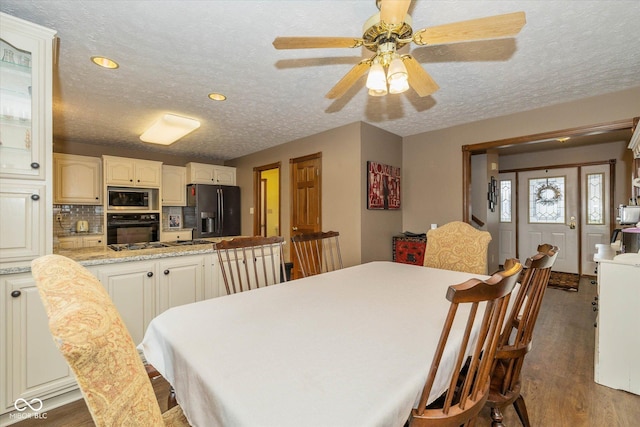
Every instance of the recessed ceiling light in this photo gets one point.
(104, 62)
(217, 96)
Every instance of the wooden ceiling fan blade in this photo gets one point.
(419, 79)
(490, 27)
(315, 42)
(392, 12)
(349, 79)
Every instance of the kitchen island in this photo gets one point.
(142, 284)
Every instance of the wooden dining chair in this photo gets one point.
(93, 338)
(517, 335)
(318, 252)
(457, 246)
(251, 262)
(468, 388)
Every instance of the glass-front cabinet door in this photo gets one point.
(25, 98)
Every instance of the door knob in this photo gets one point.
(294, 228)
(572, 223)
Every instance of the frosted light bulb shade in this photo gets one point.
(376, 79)
(374, 92)
(169, 128)
(398, 86)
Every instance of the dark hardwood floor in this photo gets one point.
(558, 381)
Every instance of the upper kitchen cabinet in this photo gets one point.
(174, 185)
(25, 91)
(200, 173)
(77, 180)
(126, 172)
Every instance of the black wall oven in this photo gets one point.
(132, 228)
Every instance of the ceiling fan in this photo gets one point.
(388, 31)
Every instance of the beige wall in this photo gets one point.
(341, 191)
(432, 161)
(379, 226)
(365, 235)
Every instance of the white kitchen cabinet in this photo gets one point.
(131, 286)
(77, 180)
(23, 225)
(201, 173)
(141, 290)
(181, 281)
(170, 236)
(26, 195)
(25, 90)
(617, 349)
(126, 172)
(33, 365)
(174, 185)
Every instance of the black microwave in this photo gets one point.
(129, 198)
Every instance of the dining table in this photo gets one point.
(351, 347)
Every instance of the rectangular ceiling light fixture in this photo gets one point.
(169, 128)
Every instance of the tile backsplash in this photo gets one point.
(73, 213)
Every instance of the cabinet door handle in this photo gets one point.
(35, 165)
(166, 272)
(150, 274)
(35, 197)
(16, 294)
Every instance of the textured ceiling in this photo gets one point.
(173, 53)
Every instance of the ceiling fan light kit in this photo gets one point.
(388, 31)
(376, 80)
(168, 129)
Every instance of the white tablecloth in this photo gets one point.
(347, 348)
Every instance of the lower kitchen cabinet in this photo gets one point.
(32, 366)
(141, 290)
(617, 342)
(131, 286)
(181, 281)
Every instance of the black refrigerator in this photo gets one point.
(212, 210)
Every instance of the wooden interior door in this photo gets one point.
(306, 205)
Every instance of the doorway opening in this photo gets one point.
(266, 197)
(520, 143)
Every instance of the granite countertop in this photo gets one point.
(103, 255)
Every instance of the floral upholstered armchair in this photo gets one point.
(457, 246)
(91, 335)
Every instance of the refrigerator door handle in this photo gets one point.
(221, 210)
(218, 212)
